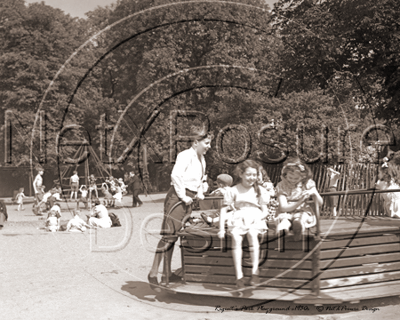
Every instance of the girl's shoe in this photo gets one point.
(240, 283)
(172, 278)
(153, 282)
(255, 280)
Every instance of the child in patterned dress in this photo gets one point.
(292, 192)
(389, 178)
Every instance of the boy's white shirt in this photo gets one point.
(188, 173)
(334, 177)
(75, 178)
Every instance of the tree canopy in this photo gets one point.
(321, 67)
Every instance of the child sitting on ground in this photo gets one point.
(54, 192)
(224, 182)
(293, 191)
(20, 199)
(54, 218)
(76, 224)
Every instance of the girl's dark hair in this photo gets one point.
(264, 174)
(240, 168)
(295, 163)
(199, 133)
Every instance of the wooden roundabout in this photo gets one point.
(342, 259)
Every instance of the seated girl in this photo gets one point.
(250, 201)
(292, 192)
(54, 218)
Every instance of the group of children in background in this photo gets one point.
(113, 190)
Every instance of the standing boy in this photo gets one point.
(332, 201)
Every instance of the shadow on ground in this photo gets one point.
(142, 291)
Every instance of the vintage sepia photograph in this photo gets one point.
(200, 159)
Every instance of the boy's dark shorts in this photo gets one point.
(172, 222)
(74, 187)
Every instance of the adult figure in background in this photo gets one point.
(38, 185)
(136, 187)
(187, 179)
(126, 181)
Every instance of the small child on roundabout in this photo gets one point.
(389, 178)
(224, 182)
(292, 192)
(250, 203)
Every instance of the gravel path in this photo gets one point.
(102, 275)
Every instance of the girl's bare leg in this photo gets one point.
(237, 254)
(252, 237)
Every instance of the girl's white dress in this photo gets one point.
(52, 224)
(20, 197)
(247, 215)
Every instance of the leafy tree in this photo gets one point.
(36, 40)
(327, 39)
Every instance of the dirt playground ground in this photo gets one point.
(103, 275)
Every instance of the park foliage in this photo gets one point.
(305, 63)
